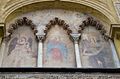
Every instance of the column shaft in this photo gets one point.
(77, 54)
(40, 52)
(75, 38)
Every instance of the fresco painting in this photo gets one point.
(58, 49)
(20, 51)
(94, 50)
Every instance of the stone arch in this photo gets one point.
(57, 21)
(95, 48)
(90, 21)
(19, 23)
(58, 48)
(21, 44)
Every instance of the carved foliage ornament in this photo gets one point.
(19, 23)
(90, 21)
(57, 21)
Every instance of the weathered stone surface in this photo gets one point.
(58, 76)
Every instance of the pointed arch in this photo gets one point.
(90, 21)
(21, 45)
(19, 23)
(57, 21)
(95, 48)
(58, 48)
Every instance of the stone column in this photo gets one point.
(40, 50)
(114, 53)
(75, 38)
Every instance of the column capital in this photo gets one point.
(75, 37)
(40, 37)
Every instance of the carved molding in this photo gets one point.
(57, 21)
(90, 21)
(19, 23)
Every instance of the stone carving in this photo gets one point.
(40, 38)
(57, 21)
(19, 23)
(90, 21)
(75, 37)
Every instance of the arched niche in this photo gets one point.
(58, 48)
(21, 46)
(95, 48)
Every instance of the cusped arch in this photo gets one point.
(19, 23)
(57, 21)
(90, 21)
(57, 41)
(21, 44)
(95, 45)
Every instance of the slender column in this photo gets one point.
(40, 50)
(116, 59)
(75, 38)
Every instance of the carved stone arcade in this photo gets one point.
(90, 21)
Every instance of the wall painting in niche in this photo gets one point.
(21, 49)
(58, 49)
(95, 51)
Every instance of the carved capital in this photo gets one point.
(75, 37)
(40, 37)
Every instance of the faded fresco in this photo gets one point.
(95, 51)
(58, 49)
(21, 49)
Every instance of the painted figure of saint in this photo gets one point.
(91, 48)
(56, 50)
(91, 44)
(95, 51)
(20, 53)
